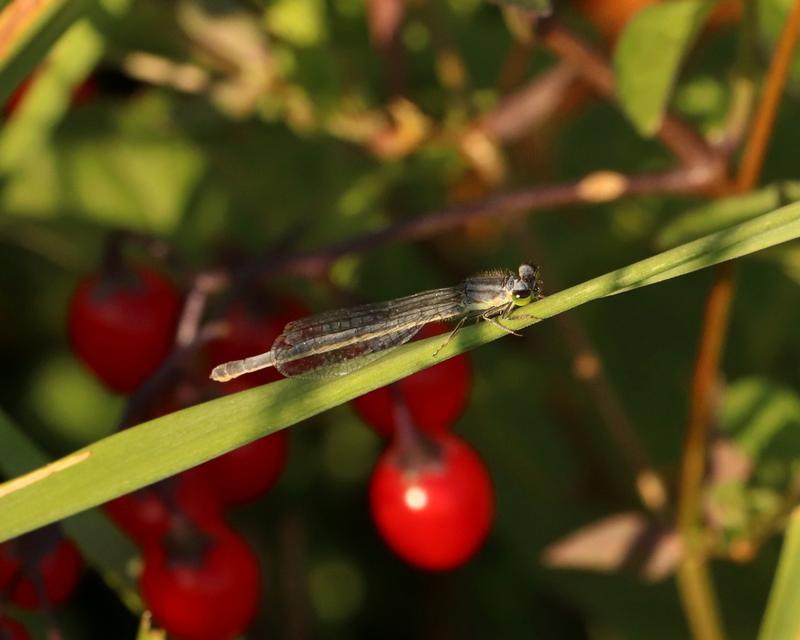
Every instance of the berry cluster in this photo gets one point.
(430, 494)
(37, 571)
(200, 578)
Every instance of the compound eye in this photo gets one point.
(521, 294)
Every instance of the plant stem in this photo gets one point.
(693, 580)
(756, 146)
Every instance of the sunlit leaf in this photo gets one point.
(648, 57)
(782, 618)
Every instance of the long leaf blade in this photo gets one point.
(782, 619)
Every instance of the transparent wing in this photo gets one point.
(329, 341)
(347, 358)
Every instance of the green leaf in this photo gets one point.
(756, 411)
(71, 60)
(649, 54)
(100, 542)
(725, 212)
(782, 618)
(154, 450)
(299, 22)
(43, 23)
(137, 181)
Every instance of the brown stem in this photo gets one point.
(704, 388)
(694, 583)
(141, 402)
(385, 21)
(693, 580)
(529, 105)
(756, 147)
(598, 187)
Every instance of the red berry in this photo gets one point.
(250, 471)
(10, 629)
(251, 330)
(84, 92)
(25, 560)
(122, 327)
(435, 397)
(148, 514)
(202, 588)
(436, 514)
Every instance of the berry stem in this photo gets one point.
(415, 450)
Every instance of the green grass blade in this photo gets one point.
(782, 619)
(37, 26)
(69, 62)
(725, 212)
(101, 543)
(154, 450)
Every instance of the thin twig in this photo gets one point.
(385, 21)
(594, 188)
(141, 402)
(194, 307)
(528, 105)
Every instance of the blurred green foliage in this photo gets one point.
(278, 153)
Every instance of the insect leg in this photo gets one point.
(451, 336)
(490, 316)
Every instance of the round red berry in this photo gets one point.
(122, 326)
(148, 514)
(10, 629)
(24, 561)
(250, 471)
(435, 397)
(204, 585)
(252, 328)
(435, 514)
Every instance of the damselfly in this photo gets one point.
(338, 342)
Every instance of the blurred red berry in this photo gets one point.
(201, 585)
(10, 629)
(122, 326)
(435, 397)
(434, 515)
(148, 514)
(84, 92)
(41, 555)
(250, 471)
(252, 329)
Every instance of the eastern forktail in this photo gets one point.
(338, 342)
